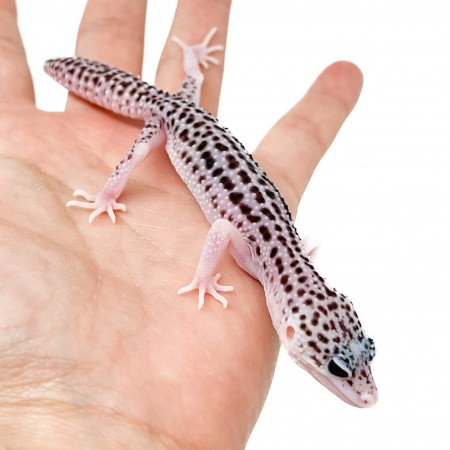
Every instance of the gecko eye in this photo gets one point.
(338, 368)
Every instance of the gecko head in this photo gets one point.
(345, 372)
(323, 335)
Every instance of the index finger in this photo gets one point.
(193, 19)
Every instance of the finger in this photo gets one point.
(193, 19)
(15, 78)
(113, 33)
(294, 146)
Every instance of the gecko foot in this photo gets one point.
(311, 246)
(100, 203)
(210, 287)
(202, 51)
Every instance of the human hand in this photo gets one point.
(96, 347)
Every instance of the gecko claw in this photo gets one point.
(202, 51)
(210, 287)
(100, 203)
(82, 193)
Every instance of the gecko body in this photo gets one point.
(318, 326)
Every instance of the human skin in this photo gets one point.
(96, 348)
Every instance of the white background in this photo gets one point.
(379, 201)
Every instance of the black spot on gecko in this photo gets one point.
(268, 213)
(276, 208)
(273, 252)
(202, 146)
(314, 346)
(236, 197)
(81, 72)
(209, 164)
(279, 265)
(270, 194)
(125, 84)
(232, 162)
(217, 172)
(184, 135)
(330, 293)
(332, 306)
(227, 183)
(265, 233)
(244, 177)
(251, 166)
(253, 219)
(219, 146)
(258, 195)
(245, 209)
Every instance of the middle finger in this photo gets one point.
(193, 19)
(112, 33)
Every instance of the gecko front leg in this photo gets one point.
(151, 137)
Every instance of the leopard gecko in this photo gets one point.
(318, 326)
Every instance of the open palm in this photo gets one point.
(96, 348)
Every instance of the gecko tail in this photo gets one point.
(105, 86)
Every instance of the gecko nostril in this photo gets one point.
(290, 333)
